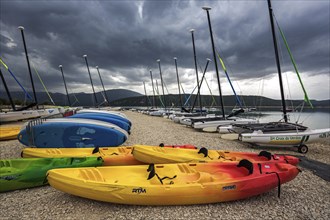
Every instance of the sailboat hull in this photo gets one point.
(285, 139)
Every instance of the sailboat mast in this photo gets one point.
(7, 91)
(162, 82)
(277, 61)
(177, 77)
(145, 92)
(28, 63)
(153, 89)
(215, 60)
(66, 90)
(90, 77)
(195, 59)
(106, 97)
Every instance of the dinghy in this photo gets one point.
(173, 184)
(287, 139)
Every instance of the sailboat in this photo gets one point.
(212, 122)
(23, 113)
(16, 114)
(280, 133)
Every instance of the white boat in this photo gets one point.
(214, 124)
(293, 139)
(49, 111)
(190, 119)
(18, 115)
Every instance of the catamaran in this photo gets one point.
(279, 133)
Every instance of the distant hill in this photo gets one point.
(124, 97)
(259, 102)
(85, 99)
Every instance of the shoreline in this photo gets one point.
(305, 197)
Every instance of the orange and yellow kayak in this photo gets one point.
(173, 184)
(159, 155)
(114, 156)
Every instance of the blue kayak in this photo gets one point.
(117, 120)
(104, 113)
(72, 133)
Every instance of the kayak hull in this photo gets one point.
(182, 184)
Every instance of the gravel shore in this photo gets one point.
(306, 197)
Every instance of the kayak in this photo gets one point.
(175, 155)
(9, 132)
(112, 156)
(31, 172)
(173, 184)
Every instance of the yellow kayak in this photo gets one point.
(172, 184)
(111, 155)
(159, 155)
(9, 132)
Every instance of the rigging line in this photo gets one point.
(184, 93)
(159, 96)
(294, 64)
(190, 95)
(213, 99)
(12, 74)
(76, 99)
(285, 73)
(225, 70)
(230, 71)
(42, 83)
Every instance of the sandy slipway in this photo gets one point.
(306, 197)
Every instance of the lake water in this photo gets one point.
(312, 120)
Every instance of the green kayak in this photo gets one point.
(30, 172)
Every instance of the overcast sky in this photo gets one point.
(125, 38)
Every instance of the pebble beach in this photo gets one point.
(305, 197)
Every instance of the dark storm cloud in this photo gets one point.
(125, 38)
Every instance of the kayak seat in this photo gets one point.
(204, 177)
(246, 164)
(152, 173)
